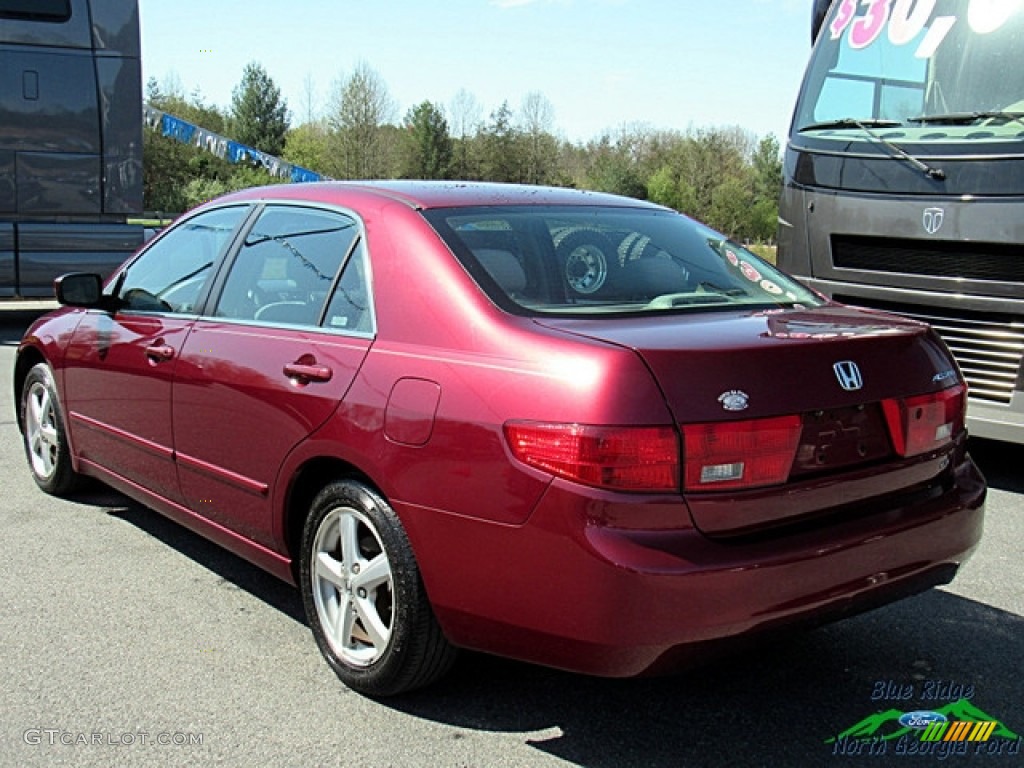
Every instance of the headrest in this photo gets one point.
(652, 277)
(504, 267)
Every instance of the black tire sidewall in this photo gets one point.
(63, 478)
(392, 672)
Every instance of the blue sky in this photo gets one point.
(601, 64)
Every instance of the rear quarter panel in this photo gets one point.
(437, 328)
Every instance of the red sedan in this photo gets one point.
(564, 427)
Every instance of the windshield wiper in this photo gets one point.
(849, 122)
(867, 125)
(966, 118)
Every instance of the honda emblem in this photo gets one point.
(932, 220)
(848, 375)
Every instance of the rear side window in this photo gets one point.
(287, 266)
(350, 308)
(36, 10)
(622, 260)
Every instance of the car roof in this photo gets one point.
(437, 194)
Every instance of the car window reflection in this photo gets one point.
(285, 269)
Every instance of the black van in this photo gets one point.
(70, 139)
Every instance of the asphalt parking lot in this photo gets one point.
(128, 640)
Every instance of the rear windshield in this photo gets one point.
(586, 260)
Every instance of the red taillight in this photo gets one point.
(620, 458)
(739, 454)
(926, 422)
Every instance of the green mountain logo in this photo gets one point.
(885, 726)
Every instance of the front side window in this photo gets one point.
(171, 274)
(287, 266)
(589, 260)
(942, 70)
(36, 10)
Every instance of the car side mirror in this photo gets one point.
(79, 289)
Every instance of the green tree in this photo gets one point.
(501, 148)
(465, 112)
(361, 107)
(154, 92)
(164, 173)
(719, 175)
(307, 145)
(731, 203)
(259, 115)
(667, 187)
(179, 176)
(541, 147)
(168, 166)
(767, 166)
(612, 167)
(170, 98)
(429, 145)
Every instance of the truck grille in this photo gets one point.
(988, 347)
(935, 258)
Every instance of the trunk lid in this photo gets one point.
(783, 360)
(832, 366)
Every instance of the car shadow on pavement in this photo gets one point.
(774, 705)
(1000, 463)
(778, 702)
(233, 569)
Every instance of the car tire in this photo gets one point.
(586, 257)
(43, 433)
(364, 597)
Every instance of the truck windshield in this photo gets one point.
(925, 71)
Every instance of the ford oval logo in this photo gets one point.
(921, 718)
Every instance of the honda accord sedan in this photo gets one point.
(564, 427)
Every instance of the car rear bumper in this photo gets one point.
(569, 590)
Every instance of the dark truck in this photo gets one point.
(70, 140)
(904, 180)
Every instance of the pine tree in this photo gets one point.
(431, 144)
(259, 116)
